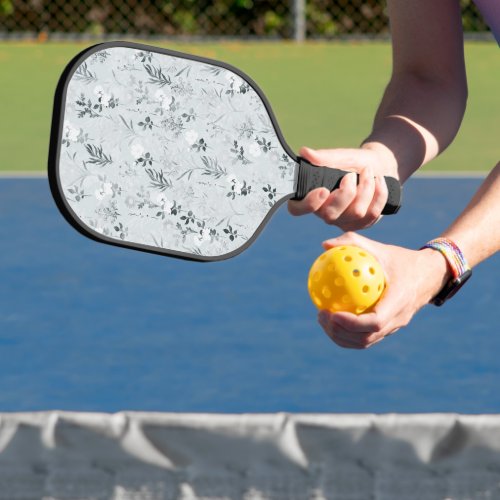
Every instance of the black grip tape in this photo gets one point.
(312, 177)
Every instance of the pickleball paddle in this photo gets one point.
(172, 153)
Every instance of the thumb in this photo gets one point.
(377, 249)
(349, 238)
(311, 155)
(339, 157)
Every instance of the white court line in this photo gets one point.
(23, 175)
(454, 174)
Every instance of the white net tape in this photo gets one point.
(160, 456)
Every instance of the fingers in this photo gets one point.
(368, 323)
(380, 196)
(366, 210)
(364, 195)
(340, 338)
(351, 206)
(317, 198)
(310, 204)
(365, 207)
(343, 337)
(355, 332)
(347, 206)
(354, 205)
(336, 203)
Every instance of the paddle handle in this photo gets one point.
(312, 177)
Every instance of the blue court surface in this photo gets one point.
(91, 327)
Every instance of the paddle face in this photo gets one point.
(165, 152)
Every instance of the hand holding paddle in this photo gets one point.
(354, 205)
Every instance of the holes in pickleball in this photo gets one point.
(360, 309)
(356, 273)
(362, 254)
(316, 276)
(336, 306)
(330, 268)
(339, 281)
(379, 287)
(346, 299)
(327, 293)
(366, 289)
(372, 270)
(348, 258)
(317, 300)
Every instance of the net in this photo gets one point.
(153, 456)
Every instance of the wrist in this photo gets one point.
(437, 272)
(386, 156)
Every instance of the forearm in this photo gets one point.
(477, 230)
(424, 103)
(416, 120)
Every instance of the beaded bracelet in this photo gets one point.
(452, 254)
(460, 269)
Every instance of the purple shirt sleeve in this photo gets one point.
(490, 9)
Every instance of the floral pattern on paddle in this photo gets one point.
(169, 153)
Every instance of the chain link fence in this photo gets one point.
(286, 19)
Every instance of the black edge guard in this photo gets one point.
(312, 177)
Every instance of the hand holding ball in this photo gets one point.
(346, 278)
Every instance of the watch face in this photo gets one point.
(451, 288)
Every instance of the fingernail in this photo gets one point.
(324, 194)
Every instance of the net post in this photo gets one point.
(299, 20)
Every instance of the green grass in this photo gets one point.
(323, 94)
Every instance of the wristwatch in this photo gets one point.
(460, 270)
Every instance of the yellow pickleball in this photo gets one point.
(346, 278)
